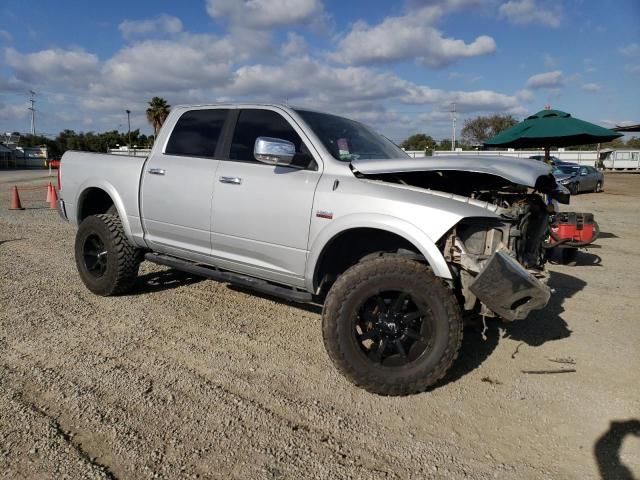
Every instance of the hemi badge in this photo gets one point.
(323, 214)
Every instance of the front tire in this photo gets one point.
(391, 326)
(573, 189)
(598, 187)
(106, 261)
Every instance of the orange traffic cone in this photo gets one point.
(49, 187)
(15, 199)
(53, 202)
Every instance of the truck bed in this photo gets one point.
(118, 175)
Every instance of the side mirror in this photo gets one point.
(274, 151)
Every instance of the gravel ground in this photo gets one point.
(187, 378)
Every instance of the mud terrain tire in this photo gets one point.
(106, 261)
(421, 294)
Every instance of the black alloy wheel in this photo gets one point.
(95, 256)
(392, 330)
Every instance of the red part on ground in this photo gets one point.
(574, 227)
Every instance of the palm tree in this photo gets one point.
(157, 113)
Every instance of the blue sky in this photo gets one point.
(396, 65)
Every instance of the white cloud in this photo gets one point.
(631, 50)
(407, 37)
(473, 101)
(12, 85)
(545, 80)
(524, 12)
(591, 87)
(630, 68)
(13, 112)
(84, 91)
(191, 61)
(617, 123)
(266, 14)
(53, 66)
(525, 95)
(294, 46)
(160, 24)
(311, 80)
(4, 35)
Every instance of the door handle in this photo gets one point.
(157, 171)
(231, 180)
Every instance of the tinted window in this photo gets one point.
(260, 123)
(196, 133)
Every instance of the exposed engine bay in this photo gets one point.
(492, 246)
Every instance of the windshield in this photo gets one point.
(348, 140)
(562, 170)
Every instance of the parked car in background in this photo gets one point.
(555, 161)
(540, 158)
(578, 178)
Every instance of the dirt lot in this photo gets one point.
(188, 378)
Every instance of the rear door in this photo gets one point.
(177, 184)
(261, 213)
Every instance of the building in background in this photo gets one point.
(14, 156)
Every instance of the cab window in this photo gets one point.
(254, 123)
(197, 133)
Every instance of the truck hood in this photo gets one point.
(517, 170)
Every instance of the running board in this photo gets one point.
(230, 277)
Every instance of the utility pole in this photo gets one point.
(453, 127)
(33, 112)
(129, 134)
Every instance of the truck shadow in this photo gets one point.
(541, 327)
(163, 280)
(607, 450)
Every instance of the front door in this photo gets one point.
(177, 184)
(261, 212)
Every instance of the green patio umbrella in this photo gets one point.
(551, 128)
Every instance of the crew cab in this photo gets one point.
(313, 207)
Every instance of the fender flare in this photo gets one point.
(425, 245)
(113, 194)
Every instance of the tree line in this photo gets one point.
(101, 142)
(476, 131)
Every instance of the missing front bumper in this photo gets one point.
(507, 289)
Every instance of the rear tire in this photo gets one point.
(106, 261)
(391, 326)
(598, 187)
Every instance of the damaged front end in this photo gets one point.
(498, 260)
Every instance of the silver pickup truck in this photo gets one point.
(312, 207)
